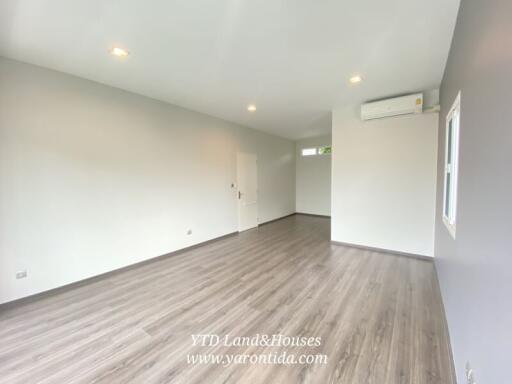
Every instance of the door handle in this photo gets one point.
(239, 195)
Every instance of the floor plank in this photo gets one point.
(379, 316)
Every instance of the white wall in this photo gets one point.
(94, 178)
(276, 172)
(384, 181)
(313, 178)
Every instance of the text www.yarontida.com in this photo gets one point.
(282, 358)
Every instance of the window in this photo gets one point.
(308, 151)
(451, 160)
(323, 150)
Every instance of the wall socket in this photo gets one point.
(21, 274)
(470, 377)
(189, 232)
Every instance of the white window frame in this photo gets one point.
(451, 167)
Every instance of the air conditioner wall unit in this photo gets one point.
(396, 106)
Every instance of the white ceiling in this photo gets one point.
(291, 58)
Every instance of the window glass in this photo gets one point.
(451, 166)
(308, 151)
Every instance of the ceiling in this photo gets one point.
(291, 58)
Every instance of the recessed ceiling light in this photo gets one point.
(251, 108)
(116, 51)
(356, 79)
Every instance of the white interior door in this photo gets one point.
(247, 180)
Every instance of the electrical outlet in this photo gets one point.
(21, 274)
(189, 232)
(470, 377)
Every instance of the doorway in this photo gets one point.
(247, 180)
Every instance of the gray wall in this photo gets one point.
(475, 270)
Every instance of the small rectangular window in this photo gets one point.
(451, 162)
(325, 150)
(308, 151)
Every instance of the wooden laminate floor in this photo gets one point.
(379, 316)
